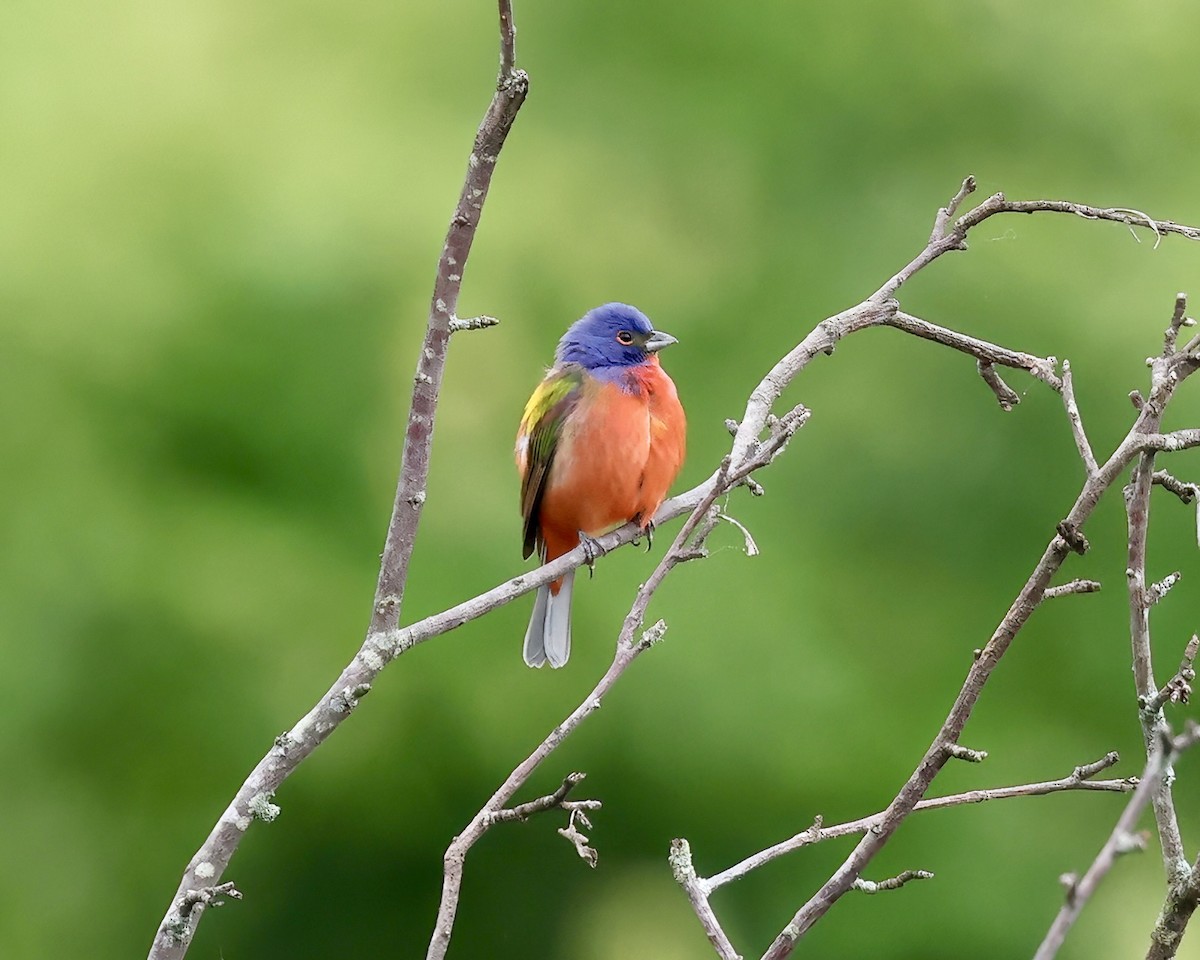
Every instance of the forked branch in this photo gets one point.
(178, 925)
(1123, 839)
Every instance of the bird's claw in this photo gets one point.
(591, 550)
(647, 529)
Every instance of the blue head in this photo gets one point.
(614, 335)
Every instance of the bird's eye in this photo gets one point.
(624, 337)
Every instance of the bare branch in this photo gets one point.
(508, 43)
(750, 451)
(1181, 902)
(1132, 218)
(751, 547)
(1074, 586)
(946, 213)
(458, 325)
(1169, 442)
(1005, 395)
(1077, 431)
(1041, 368)
(1179, 688)
(176, 930)
(697, 891)
(523, 811)
(1123, 839)
(959, 752)
(947, 237)
(1178, 319)
(1156, 591)
(1069, 537)
(687, 541)
(1079, 779)
(1186, 492)
(1166, 373)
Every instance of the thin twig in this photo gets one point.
(892, 883)
(942, 221)
(1179, 688)
(687, 541)
(1073, 417)
(1142, 436)
(1079, 779)
(1006, 396)
(1122, 839)
(1186, 492)
(1178, 319)
(958, 752)
(460, 325)
(523, 811)
(954, 236)
(1074, 586)
(991, 354)
(1166, 373)
(1160, 588)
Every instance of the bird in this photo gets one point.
(601, 441)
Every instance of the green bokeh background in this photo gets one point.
(220, 226)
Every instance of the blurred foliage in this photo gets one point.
(220, 227)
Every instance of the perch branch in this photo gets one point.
(683, 548)
(749, 452)
(176, 930)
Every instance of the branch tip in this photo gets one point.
(1088, 770)
(750, 546)
(1005, 395)
(1074, 586)
(959, 752)
(1156, 591)
(458, 324)
(894, 883)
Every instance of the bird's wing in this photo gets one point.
(537, 441)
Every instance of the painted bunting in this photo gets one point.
(600, 443)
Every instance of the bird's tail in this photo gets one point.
(549, 635)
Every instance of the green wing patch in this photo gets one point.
(541, 426)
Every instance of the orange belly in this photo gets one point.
(618, 455)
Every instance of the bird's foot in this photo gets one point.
(591, 551)
(647, 529)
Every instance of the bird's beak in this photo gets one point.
(657, 340)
